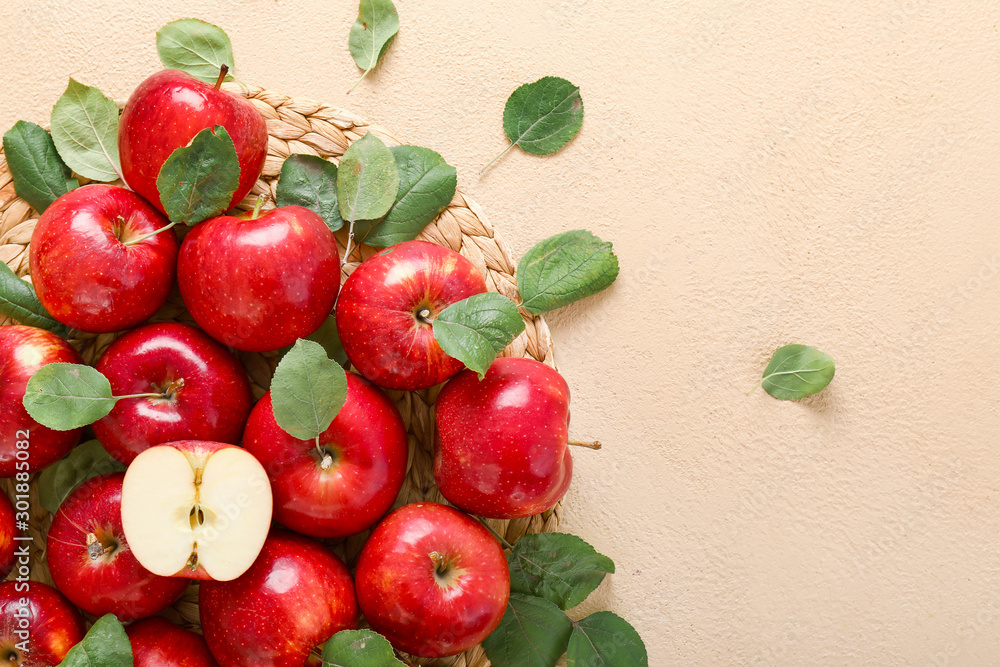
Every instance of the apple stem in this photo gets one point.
(588, 445)
(118, 398)
(256, 207)
(505, 543)
(223, 71)
(142, 238)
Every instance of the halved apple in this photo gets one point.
(196, 509)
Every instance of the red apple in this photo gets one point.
(88, 266)
(386, 311)
(432, 580)
(343, 484)
(260, 284)
(38, 626)
(156, 642)
(167, 110)
(294, 597)
(8, 530)
(206, 393)
(26, 445)
(91, 562)
(500, 447)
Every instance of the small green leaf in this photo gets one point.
(66, 396)
(367, 180)
(359, 648)
(533, 633)
(797, 371)
(542, 117)
(372, 33)
(561, 568)
(310, 181)
(426, 186)
(198, 181)
(476, 329)
(84, 461)
(19, 302)
(85, 131)
(605, 640)
(307, 391)
(105, 645)
(327, 336)
(565, 268)
(40, 176)
(195, 47)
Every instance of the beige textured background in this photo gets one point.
(822, 172)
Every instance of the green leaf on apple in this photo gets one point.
(426, 186)
(195, 47)
(84, 461)
(307, 391)
(476, 329)
(104, 645)
(797, 371)
(359, 648)
(19, 302)
(40, 176)
(533, 633)
(327, 336)
(84, 126)
(372, 33)
(367, 180)
(605, 639)
(559, 567)
(197, 181)
(310, 181)
(66, 396)
(565, 268)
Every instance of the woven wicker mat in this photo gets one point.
(303, 126)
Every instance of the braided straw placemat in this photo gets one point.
(312, 128)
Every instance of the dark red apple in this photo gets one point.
(386, 311)
(206, 392)
(260, 284)
(167, 110)
(91, 562)
(294, 597)
(8, 531)
(343, 484)
(500, 447)
(38, 626)
(432, 580)
(26, 445)
(88, 265)
(156, 642)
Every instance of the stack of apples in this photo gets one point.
(215, 490)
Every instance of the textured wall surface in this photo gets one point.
(822, 172)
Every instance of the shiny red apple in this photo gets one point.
(432, 580)
(167, 110)
(156, 642)
(25, 445)
(204, 391)
(296, 595)
(345, 483)
(38, 626)
(500, 447)
(386, 311)
(260, 284)
(91, 267)
(8, 531)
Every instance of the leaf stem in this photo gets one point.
(347, 248)
(358, 82)
(223, 71)
(505, 543)
(589, 445)
(142, 238)
(502, 153)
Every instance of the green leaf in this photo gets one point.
(565, 268)
(605, 640)
(359, 648)
(542, 117)
(367, 180)
(797, 371)
(198, 181)
(372, 33)
(533, 633)
(327, 336)
(561, 568)
(426, 186)
(196, 47)
(85, 132)
(40, 176)
(307, 391)
(105, 645)
(66, 396)
(19, 302)
(59, 480)
(476, 329)
(310, 181)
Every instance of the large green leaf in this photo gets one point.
(84, 126)
(565, 268)
(105, 645)
(359, 648)
(542, 117)
(198, 181)
(310, 181)
(558, 567)
(533, 633)
(59, 480)
(19, 302)
(195, 47)
(40, 176)
(476, 329)
(308, 390)
(66, 396)
(372, 33)
(605, 640)
(797, 371)
(367, 180)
